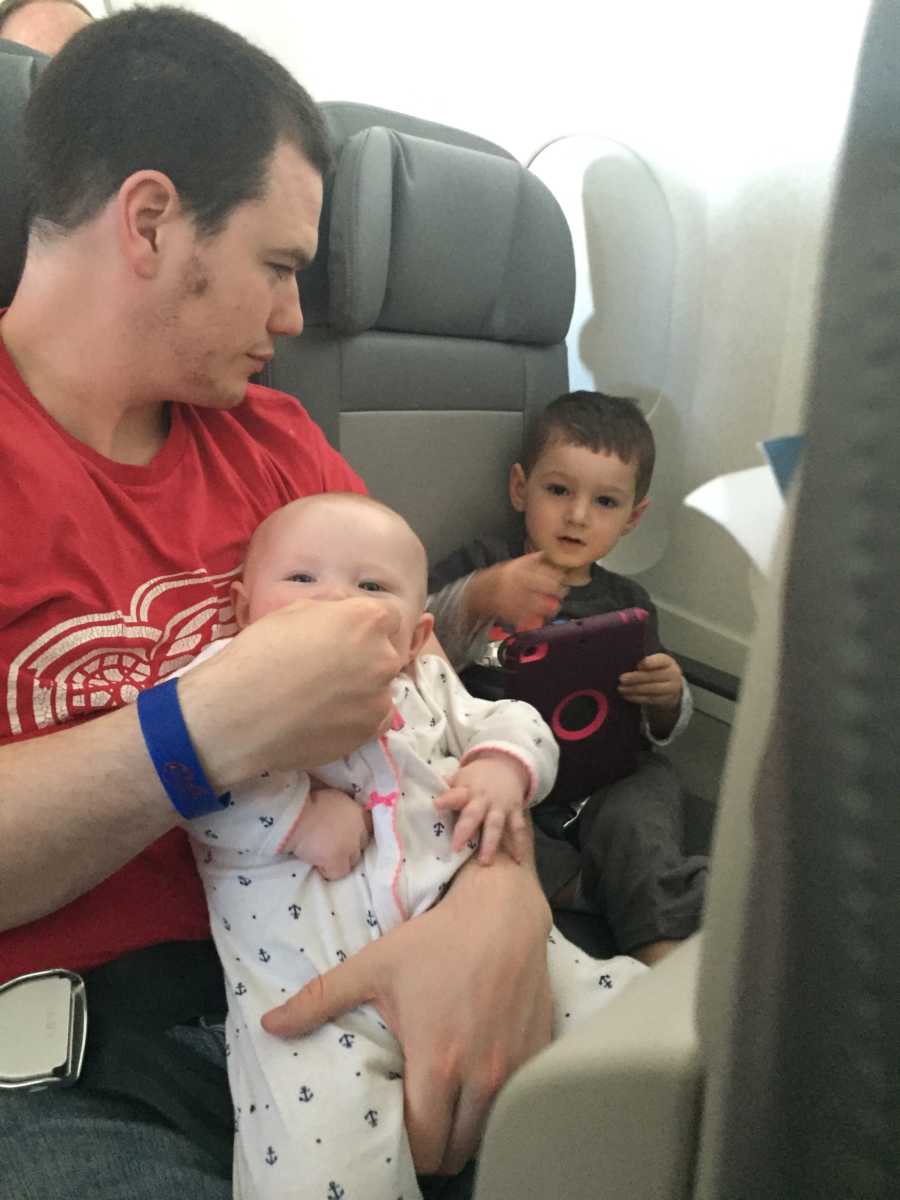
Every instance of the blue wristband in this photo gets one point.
(169, 746)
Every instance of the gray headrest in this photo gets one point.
(438, 239)
(19, 69)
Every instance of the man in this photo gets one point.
(172, 206)
(44, 25)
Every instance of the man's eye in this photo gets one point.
(281, 270)
(369, 585)
(301, 577)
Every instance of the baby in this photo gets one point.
(301, 872)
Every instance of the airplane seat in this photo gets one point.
(19, 70)
(760, 1059)
(436, 312)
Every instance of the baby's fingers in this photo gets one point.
(516, 839)
(455, 798)
(469, 822)
(491, 833)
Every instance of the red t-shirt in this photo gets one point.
(112, 577)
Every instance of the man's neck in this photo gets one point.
(80, 381)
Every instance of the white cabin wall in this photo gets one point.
(738, 110)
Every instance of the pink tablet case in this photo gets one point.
(570, 673)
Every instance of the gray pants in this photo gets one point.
(627, 851)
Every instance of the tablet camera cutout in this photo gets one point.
(579, 715)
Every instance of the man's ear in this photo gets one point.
(421, 634)
(636, 513)
(146, 203)
(517, 484)
(240, 600)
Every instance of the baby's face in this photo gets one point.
(334, 550)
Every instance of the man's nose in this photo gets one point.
(287, 316)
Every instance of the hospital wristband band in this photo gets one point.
(172, 752)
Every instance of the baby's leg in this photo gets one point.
(321, 1116)
(582, 985)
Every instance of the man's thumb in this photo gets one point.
(325, 997)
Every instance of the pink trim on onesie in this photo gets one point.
(389, 799)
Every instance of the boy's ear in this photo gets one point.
(636, 513)
(517, 483)
(240, 600)
(421, 634)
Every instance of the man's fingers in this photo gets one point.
(324, 998)
(429, 1103)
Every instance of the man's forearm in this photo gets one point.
(74, 807)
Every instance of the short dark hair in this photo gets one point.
(167, 90)
(614, 424)
(8, 7)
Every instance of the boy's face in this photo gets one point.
(332, 550)
(577, 503)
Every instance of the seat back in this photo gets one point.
(19, 70)
(435, 317)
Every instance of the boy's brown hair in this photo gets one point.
(613, 424)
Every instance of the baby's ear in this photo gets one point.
(240, 601)
(517, 484)
(636, 513)
(421, 634)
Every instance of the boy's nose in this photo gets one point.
(578, 510)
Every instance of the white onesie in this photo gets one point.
(322, 1117)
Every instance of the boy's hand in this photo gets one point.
(331, 833)
(523, 592)
(656, 682)
(489, 795)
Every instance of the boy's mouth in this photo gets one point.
(570, 541)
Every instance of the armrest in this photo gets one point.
(612, 1108)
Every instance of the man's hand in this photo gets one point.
(301, 686)
(331, 833)
(489, 794)
(523, 592)
(464, 988)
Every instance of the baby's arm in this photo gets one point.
(508, 759)
(330, 833)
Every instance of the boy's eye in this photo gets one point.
(556, 489)
(606, 502)
(301, 577)
(370, 585)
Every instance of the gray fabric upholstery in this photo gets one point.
(435, 316)
(19, 69)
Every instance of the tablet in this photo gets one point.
(570, 673)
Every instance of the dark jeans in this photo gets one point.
(627, 849)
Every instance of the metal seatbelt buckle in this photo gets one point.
(43, 1028)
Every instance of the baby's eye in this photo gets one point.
(370, 585)
(301, 577)
(556, 489)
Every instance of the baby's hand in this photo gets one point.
(331, 833)
(656, 682)
(489, 795)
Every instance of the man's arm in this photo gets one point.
(299, 687)
(465, 989)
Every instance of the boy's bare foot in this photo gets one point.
(654, 951)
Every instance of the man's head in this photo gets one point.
(181, 167)
(44, 25)
(583, 479)
(332, 547)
